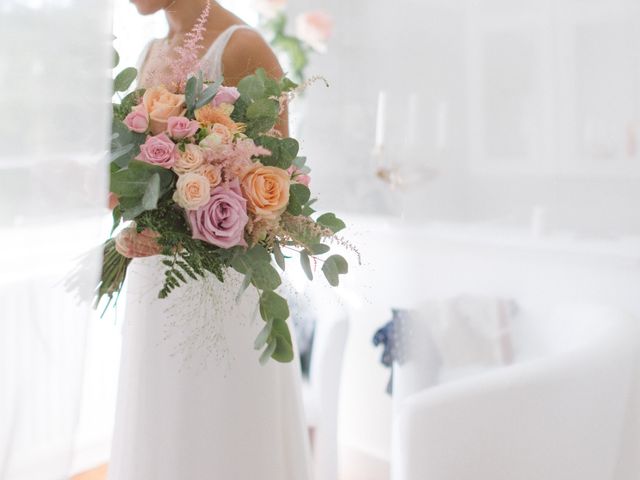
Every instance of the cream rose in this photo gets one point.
(192, 191)
(266, 190)
(189, 160)
(161, 104)
(218, 135)
(213, 173)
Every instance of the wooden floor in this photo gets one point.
(357, 467)
(97, 474)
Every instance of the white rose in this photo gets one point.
(219, 135)
(192, 191)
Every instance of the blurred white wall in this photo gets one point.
(515, 104)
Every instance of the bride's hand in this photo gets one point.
(113, 201)
(131, 244)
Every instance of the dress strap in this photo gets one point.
(213, 57)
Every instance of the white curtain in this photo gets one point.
(55, 88)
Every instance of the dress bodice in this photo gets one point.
(211, 61)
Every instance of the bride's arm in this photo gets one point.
(246, 52)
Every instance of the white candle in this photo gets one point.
(441, 126)
(381, 119)
(412, 121)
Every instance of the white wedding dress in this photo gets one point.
(194, 403)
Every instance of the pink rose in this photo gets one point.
(315, 28)
(182, 127)
(222, 220)
(159, 150)
(228, 95)
(137, 120)
(270, 8)
(299, 177)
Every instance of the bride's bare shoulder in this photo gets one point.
(245, 53)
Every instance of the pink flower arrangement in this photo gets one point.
(181, 127)
(315, 28)
(158, 150)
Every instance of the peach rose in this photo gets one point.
(210, 115)
(267, 190)
(189, 160)
(162, 104)
(213, 173)
(192, 191)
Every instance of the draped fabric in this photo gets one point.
(55, 88)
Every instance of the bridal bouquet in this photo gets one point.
(204, 175)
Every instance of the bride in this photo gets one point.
(194, 403)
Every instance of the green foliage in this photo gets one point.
(140, 186)
(124, 79)
(305, 262)
(273, 306)
(283, 151)
(129, 101)
(333, 267)
(281, 336)
(278, 256)
(332, 222)
(185, 257)
(125, 144)
(295, 49)
(257, 262)
(298, 196)
(258, 105)
(207, 95)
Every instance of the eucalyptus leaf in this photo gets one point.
(190, 93)
(278, 255)
(116, 58)
(333, 267)
(209, 93)
(252, 87)
(122, 155)
(246, 281)
(124, 79)
(330, 221)
(257, 260)
(284, 345)
(263, 107)
(263, 336)
(319, 248)
(265, 277)
(273, 306)
(305, 262)
(152, 193)
(298, 196)
(139, 186)
(266, 354)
